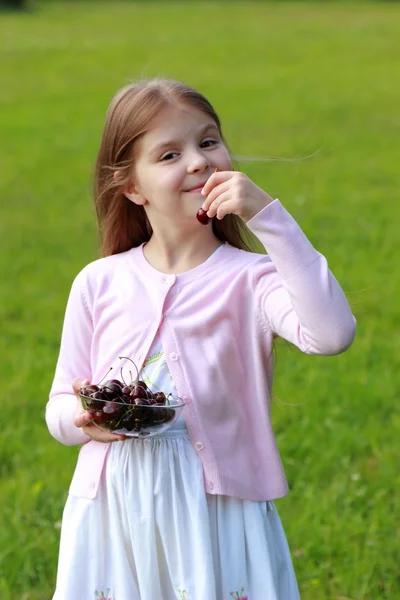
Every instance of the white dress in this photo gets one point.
(153, 533)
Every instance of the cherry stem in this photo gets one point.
(136, 369)
(110, 369)
(122, 377)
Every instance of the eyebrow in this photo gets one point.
(170, 143)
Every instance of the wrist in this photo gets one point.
(259, 204)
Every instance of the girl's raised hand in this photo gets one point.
(83, 419)
(232, 192)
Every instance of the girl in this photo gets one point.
(188, 514)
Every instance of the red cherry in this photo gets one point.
(89, 389)
(141, 402)
(139, 391)
(100, 417)
(160, 398)
(202, 217)
(114, 382)
(112, 408)
(111, 390)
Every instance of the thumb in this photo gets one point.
(78, 383)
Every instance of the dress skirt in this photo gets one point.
(153, 533)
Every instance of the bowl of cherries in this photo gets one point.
(130, 409)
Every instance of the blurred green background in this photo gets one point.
(288, 80)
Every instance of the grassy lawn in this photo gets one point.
(289, 80)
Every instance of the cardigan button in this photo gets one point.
(186, 399)
(174, 356)
(169, 279)
(199, 446)
(209, 485)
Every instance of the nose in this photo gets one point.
(197, 162)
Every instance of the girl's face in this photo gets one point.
(172, 162)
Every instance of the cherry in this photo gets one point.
(96, 400)
(162, 416)
(112, 408)
(139, 391)
(141, 402)
(125, 399)
(127, 422)
(100, 417)
(115, 382)
(112, 390)
(202, 217)
(89, 389)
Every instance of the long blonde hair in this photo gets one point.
(122, 224)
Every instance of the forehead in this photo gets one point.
(176, 122)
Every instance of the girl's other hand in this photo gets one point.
(83, 419)
(232, 192)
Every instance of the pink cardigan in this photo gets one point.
(217, 323)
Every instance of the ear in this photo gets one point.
(131, 192)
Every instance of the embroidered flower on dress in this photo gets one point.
(239, 597)
(103, 596)
(183, 595)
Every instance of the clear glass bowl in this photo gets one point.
(133, 420)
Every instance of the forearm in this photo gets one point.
(305, 304)
(60, 413)
(311, 310)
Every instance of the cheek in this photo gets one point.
(161, 187)
(169, 179)
(157, 181)
(225, 160)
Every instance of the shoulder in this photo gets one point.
(250, 271)
(105, 265)
(251, 262)
(102, 270)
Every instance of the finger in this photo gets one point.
(82, 418)
(215, 192)
(215, 179)
(228, 207)
(99, 435)
(218, 202)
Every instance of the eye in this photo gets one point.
(208, 143)
(169, 156)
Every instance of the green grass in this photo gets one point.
(288, 79)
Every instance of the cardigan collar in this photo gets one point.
(138, 260)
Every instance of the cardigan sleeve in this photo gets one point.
(298, 296)
(73, 361)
